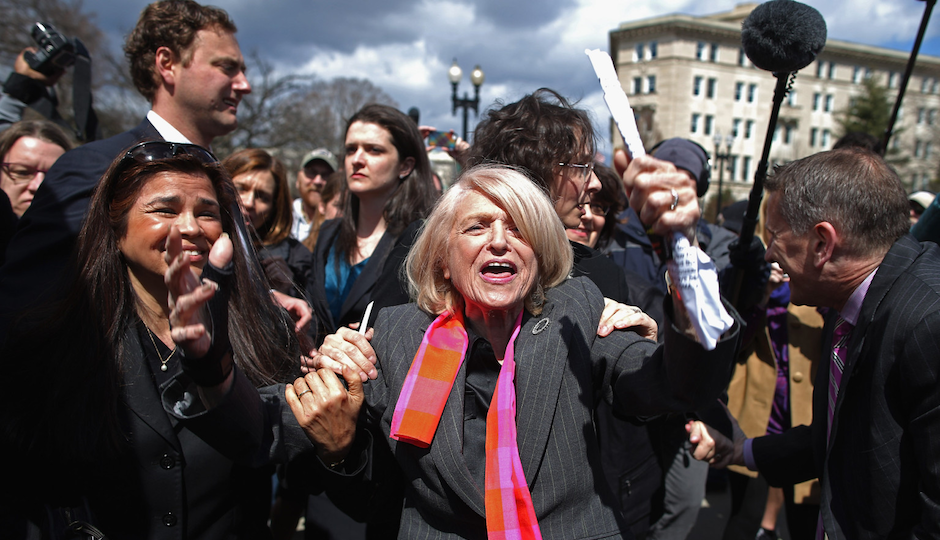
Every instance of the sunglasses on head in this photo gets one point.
(151, 151)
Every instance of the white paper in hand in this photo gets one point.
(694, 273)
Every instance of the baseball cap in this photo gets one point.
(689, 156)
(923, 198)
(322, 154)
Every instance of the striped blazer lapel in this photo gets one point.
(540, 361)
(896, 261)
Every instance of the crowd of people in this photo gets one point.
(190, 353)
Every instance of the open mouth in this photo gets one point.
(498, 271)
(231, 103)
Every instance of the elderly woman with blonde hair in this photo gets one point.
(486, 387)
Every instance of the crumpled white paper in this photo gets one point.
(696, 277)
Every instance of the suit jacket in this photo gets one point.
(170, 483)
(361, 293)
(880, 474)
(45, 237)
(562, 374)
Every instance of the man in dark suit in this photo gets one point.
(838, 226)
(185, 60)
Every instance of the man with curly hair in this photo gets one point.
(185, 60)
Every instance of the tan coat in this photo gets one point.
(751, 392)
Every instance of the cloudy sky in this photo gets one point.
(406, 46)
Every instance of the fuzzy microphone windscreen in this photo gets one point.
(783, 35)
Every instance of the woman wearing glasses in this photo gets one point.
(27, 150)
(85, 418)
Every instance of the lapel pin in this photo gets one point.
(541, 325)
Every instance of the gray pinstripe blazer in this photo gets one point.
(562, 374)
(881, 473)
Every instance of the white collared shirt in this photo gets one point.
(167, 131)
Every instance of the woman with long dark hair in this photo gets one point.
(389, 184)
(102, 431)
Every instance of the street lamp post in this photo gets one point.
(720, 158)
(476, 77)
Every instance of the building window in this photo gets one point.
(927, 148)
(751, 93)
(732, 166)
(748, 129)
(931, 116)
(746, 168)
(653, 50)
(639, 52)
(710, 92)
(709, 124)
(832, 70)
(700, 50)
(825, 139)
(742, 58)
(867, 73)
(917, 148)
(695, 117)
(651, 84)
(697, 85)
(921, 113)
(820, 69)
(637, 85)
(925, 85)
(735, 127)
(713, 55)
(776, 135)
(813, 133)
(738, 91)
(787, 134)
(829, 99)
(857, 72)
(791, 98)
(816, 99)
(892, 79)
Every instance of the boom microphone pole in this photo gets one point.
(780, 36)
(907, 75)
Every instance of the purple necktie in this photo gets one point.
(840, 347)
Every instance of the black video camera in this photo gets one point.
(56, 52)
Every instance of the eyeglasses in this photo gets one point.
(585, 171)
(150, 151)
(21, 174)
(600, 209)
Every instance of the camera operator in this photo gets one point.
(37, 70)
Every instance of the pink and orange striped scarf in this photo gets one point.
(509, 510)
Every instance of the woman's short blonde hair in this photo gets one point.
(530, 209)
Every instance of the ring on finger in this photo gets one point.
(307, 391)
(675, 198)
